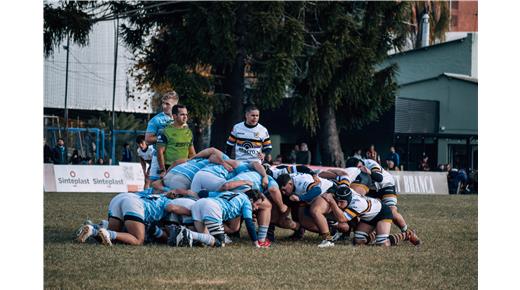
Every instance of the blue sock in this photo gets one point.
(112, 234)
(206, 239)
(95, 231)
(262, 232)
(158, 232)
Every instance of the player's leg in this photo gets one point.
(318, 209)
(306, 220)
(263, 218)
(382, 232)
(362, 232)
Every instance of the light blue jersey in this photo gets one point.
(154, 207)
(190, 167)
(220, 171)
(254, 177)
(157, 124)
(234, 204)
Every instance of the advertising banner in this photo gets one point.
(421, 182)
(134, 176)
(414, 182)
(91, 178)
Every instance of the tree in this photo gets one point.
(439, 13)
(341, 88)
(210, 49)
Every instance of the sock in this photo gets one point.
(206, 239)
(262, 233)
(371, 237)
(396, 238)
(360, 236)
(326, 236)
(404, 228)
(381, 239)
(158, 232)
(270, 232)
(95, 231)
(112, 234)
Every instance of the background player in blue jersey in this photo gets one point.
(158, 123)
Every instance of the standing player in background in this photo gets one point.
(249, 139)
(176, 140)
(155, 127)
(145, 153)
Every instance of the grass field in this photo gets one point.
(447, 259)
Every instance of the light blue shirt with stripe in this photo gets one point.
(221, 171)
(233, 205)
(256, 179)
(190, 167)
(154, 207)
(157, 124)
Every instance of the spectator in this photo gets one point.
(47, 152)
(100, 161)
(127, 154)
(358, 154)
(394, 156)
(59, 153)
(294, 152)
(278, 160)
(304, 155)
(390, 165)
(423, 163)
(372, 154)
(75, 158)
(441, 167)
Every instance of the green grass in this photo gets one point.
(446, 260)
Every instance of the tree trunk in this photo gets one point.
(202, 134)
(331, 152)
(233, 84)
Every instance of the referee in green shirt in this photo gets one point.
(176, 140)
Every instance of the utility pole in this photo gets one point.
(113, 139)
(66, 114)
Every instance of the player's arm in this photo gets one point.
(230, 185)
(309, 195)
(336, 211)
(143, 165)
(276, 196)
(376, 174)
(206, 153)
(261, 170)
(231, 142)
(150, 138)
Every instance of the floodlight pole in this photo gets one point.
(66, 113)
(112, 137)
